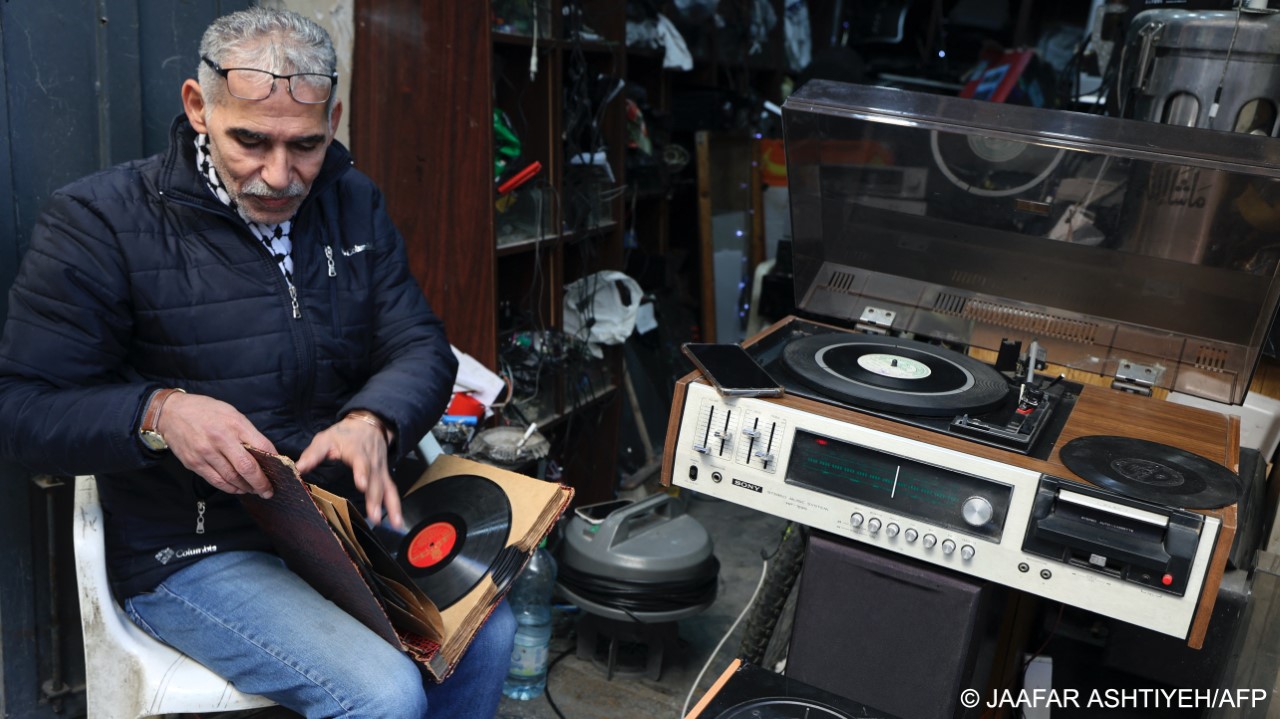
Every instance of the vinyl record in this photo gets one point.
(1151, 471)
(894, 374)
(458, 525)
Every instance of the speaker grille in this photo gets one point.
(1211, 358)
(891, 632)
(1041, 324)
(950, 304)
(840, 281)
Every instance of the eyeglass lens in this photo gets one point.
(257, 85)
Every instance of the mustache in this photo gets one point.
(258, 188)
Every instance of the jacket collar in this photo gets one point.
(180, 180)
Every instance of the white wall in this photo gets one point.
(337, 17)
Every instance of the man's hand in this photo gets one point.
(362, 446)
(208, 436)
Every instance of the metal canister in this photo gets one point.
(1183, 62)
(1218, 70)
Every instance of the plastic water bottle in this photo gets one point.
(530, 599)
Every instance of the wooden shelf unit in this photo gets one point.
(428, 80)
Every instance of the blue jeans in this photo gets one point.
(257, 624)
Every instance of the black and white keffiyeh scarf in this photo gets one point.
(274, 237)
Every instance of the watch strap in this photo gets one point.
(151, 417)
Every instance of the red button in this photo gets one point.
(1166, 579)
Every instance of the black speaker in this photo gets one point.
(890, 631)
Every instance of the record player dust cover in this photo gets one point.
(470, 528)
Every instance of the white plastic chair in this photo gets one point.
(128, 674)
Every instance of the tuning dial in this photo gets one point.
(892, 529)
(855, 519)
(977, 511)
(911, 535)
(967, 552)
(929, 541)
(948, 546)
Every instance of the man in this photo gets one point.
(244, 288)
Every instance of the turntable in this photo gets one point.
(1062, 473)
(745, 691)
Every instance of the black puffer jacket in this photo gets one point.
(138, 278)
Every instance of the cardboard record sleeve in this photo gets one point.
(324, 539)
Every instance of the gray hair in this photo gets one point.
(278, 41)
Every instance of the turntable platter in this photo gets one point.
(781, 708)
(894, 375)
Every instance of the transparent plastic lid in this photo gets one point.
(1123, 247)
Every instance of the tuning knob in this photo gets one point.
(977, 511)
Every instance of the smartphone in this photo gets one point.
(731, 370)
(597, 513)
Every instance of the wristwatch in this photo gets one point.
(149, 431)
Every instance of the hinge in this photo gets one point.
(1136, 378)
(876, 321)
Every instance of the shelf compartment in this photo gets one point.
(515, 21)
(523, 217)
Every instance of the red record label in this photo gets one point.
(459, 527)
(432, 544)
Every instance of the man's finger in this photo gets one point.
(258, 441)
(221, 475)
(314, 454)
(244, 465)
(372, 489)
(391, 500)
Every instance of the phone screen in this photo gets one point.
(732, 370)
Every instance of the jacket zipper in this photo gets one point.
(301, 334)
(333, 291)
(294, 306)
(200, 516)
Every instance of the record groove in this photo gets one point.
(894, 374)
(1151, 471)
(458, 526)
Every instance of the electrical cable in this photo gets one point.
(764, 571)
(645, 596)
(547, 689)
(510, 391)
(1222, 81)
